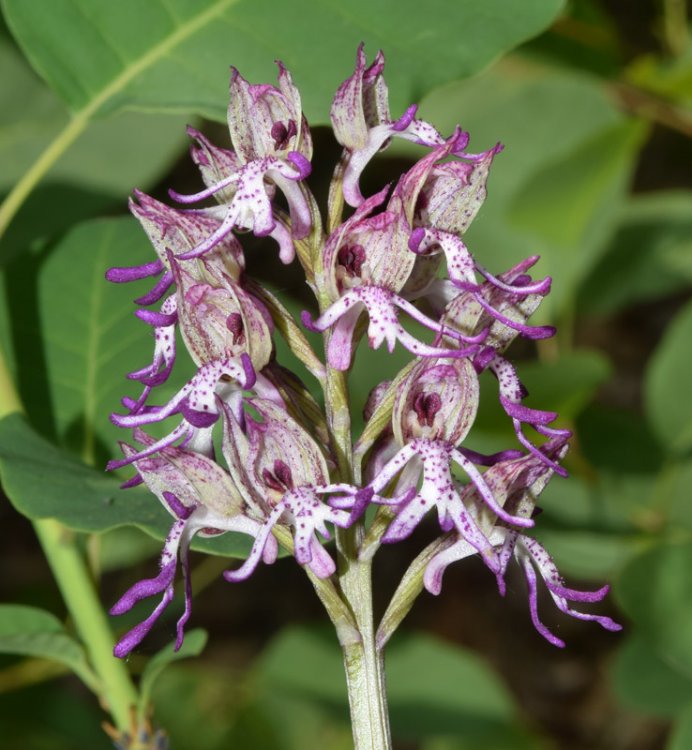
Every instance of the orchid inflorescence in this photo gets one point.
(287, 470)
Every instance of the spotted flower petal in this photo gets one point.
(281, 472)
(203, 500)
(381, 305)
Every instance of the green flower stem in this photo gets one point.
(70, 571)
(363, 661)
(364, 664)
(69, 568)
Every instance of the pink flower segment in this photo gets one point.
(246, 447)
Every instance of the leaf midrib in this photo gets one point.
(158, 51)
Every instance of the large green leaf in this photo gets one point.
(114, 155)
(43, 481)
(570, 205)
(101, 56)
(645, 682)
(667, 385)
(34, 632)
(77, 337)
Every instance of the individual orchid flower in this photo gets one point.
(250, 207)
(197, 404)
(362, 123)
(366, 263)
(267, 121)
(202, 498)
(272, 149)
(517, 485)
(434, 409)
(281, 472)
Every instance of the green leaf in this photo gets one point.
(193, 645)
(571, 204)
(34, 632)
(649, 256)
(437, 688)
(77, 336)
(434, 688)
(101, 56)
(589, 555)
(667, 385)
(644, 682)
(655, 590)
(42, 481)
(114, 155)
(306, 662)
(618, 440)
(125, 547)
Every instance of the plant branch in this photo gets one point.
(118, 694)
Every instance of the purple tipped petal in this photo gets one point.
(162, 286)
(122, 275)
(526, 414)
(530, 575)
(134, 637)
(144, 589)
(406, 119)
(157, 319)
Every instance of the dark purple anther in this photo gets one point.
(280, 479)
(352, 257)
(426, 406)
(282, 133)
(234, 323)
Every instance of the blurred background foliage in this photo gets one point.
(593, 101)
